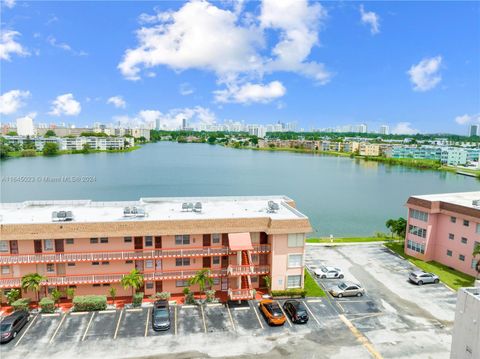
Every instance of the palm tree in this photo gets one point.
(475, 253)
(132, 280)
(202, 278)
(32, 282)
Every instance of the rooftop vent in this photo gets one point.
(134, 212)
(476, 203)
(62, 216)
(272, 207)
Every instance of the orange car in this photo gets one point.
(272, 311)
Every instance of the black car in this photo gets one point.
(296, 311)
(161, 315)
(11, 325)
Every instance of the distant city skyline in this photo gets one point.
(320, 65)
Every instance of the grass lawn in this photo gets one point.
(312, 287)
(350, 240)
(454, 279)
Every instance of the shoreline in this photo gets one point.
(18, 154)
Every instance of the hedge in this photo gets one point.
(89, 303)
(289, 293)
(137, 299)
(47, 305)
(21, 304)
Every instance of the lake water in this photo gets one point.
(343, 197)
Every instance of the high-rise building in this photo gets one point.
(384, 130)
(474, 130)
(184, 123)
(25, 126)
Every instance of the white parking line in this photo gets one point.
(26, 330)
(78, 313)
(146, 325)
(242, 308)
(231, 318)
(58, 328)
(134, 310)
(285, 314)
(175, 314)
(258, 317)
(311, 313)
(369, 315)
(107, 311)
(314, 300)
(118, 325)
(203, 318)
(214, 304)
(188, 306)
(51, 315)
(88, 326)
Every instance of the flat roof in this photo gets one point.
(464, 199)
(156, 209)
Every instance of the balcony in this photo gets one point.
(9, 259)
(110, 278)
(239, 270)
(241, 294)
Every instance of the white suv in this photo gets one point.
(328, 272)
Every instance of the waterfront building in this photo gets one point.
(466, 330)
(474, 130)
(454, 156)
(91, 246)
(421, 152)
(444, 228)
(76, 143)
(384, 130)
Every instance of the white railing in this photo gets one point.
(239, 294)
(247, 270)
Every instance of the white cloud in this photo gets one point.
(11, 101)
(65, 105)
(404, 128)
(424, 75)
(117, 101)
(64, 46)
(9, 46)
(370, 18)
(9, 3)
(186, 89)
(231, 44)
(249, 93)
(466, 119)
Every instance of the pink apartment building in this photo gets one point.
(444, 228)
(90, 245)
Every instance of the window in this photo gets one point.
(464, 240)
(149, 263)
(149, 285)
(129, 262)
(4, 246)
(50, 267)
(69, 241)
(97, 285)
(216, 281)
(182, 239)
(294, 281)
(254, 279)
(106, 284)
(466, 223)
(449, 253)
(5, 269)
(93, 240)
(216, 238)
(474, 263)
(104, 240)
(71, 264)
(95, 263)
(296, 240)
(478, 228)
(148, 241)
(422, 216)
(105, 263)
(216, 260)
(461, 257)
(453, 219)
(127, 239)
(417, 231)
(182, 262)
(48, 244)
(451, 236)
(181, 283)
(416, 247)
(294, 260)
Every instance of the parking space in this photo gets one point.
(132, 323)
(218, 318)
(173, 323)
(190, 320)
(41, 330)
(101, 325)
(73, 328)
(245, 319)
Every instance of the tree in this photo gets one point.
(12, 133)
(202, 278)
(12, 296)
(50, 149)
(132, 280)
(70, 292)
(211, 140)
(113, 293)
(86, 148)
(50, 133)
(28, 144)
(4, 149)
(32, 281)
(476, 253)
(397, 226)
(56, 295)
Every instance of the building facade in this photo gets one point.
(444, 228)
(90, 246)
(76, 143)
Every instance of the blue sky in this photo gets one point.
(411, 65)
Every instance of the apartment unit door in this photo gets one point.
(206, 240)
(138, 243)
(224, 284)
(207, 262)
(158, 242)
(139, 266)
(225, 239)
(13, 247)
(158, 286)
(263, 238)
(224, 261)
(61, 269)
(59, 247)
(37, 244)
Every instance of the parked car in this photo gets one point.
(297, 312)
(328, 272)
(347, 289)
(161, 315)
(11, 325)
(420, 277)
(272, 311)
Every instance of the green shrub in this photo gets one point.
(137, 299)
(297, 292)
(13, 295)
(29, 153)
(89, 303)
(162, 295)
(21, 304)
(210, 295)
(47, 305)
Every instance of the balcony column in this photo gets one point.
(239, 262)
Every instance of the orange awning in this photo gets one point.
(240, 241)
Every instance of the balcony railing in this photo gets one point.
(236, 270)
(8, 259)
(110, 278)
(241, 294)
